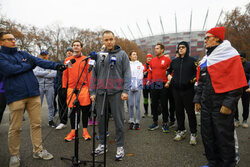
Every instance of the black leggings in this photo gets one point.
(85, 113)
(2, 105)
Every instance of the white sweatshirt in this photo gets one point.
(136, 74)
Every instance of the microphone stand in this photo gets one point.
(103, 111)
(75, 159)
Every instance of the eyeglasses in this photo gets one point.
(9, 39)
(181, 47)
(207, 37)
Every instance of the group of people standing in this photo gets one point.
(117, 77)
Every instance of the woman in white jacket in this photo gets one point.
(135, 90)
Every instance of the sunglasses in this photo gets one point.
(181, 47)
(207, 37)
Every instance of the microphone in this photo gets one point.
(112, 61)
(69, 63)
(93, 58)
(103, 56)
(92, 55)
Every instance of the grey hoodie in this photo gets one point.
(45, 77)
(119, 77)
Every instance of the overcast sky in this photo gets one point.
(117, 14)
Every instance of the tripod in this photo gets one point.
(75, 159)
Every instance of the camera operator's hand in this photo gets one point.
(61, 67)
(32, 63)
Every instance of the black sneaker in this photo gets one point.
(137, 126)
(131, 126)
(52, 124)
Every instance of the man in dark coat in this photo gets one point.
(184, 76)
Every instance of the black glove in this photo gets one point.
(61, 67)
(64, 91)
(32, 63)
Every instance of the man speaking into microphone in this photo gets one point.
(118, 85)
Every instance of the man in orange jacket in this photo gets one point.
(70, 77)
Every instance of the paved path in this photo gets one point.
(143, 148)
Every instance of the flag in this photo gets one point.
(225, 68)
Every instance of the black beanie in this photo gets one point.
(69, 49)
(243, 55)
(185, 44)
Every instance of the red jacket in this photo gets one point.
(158, 67)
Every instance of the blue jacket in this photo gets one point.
(19, 79)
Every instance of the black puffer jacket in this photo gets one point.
(184, 70)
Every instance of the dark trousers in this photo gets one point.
(63, 108)
(2, 105)
(159, 92)
(184, 100)
(172, 104)
(85, 115)
(146, 91)
(245, 105)
(217, 131)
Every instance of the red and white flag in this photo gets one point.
(225, 68)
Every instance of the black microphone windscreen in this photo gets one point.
(73, 61)
(93, 56)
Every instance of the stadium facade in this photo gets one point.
(170, 41)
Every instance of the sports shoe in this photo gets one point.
(44, 154)
(70, 136)
(145, 115)
(244, 124)
(153, 126)
(119, 154)
(237, 158)
(165, 128)
(90, 122)
(14, 161)
(193, 138)
(180, 135)
(61, 126)
(137, 126)
(236, 123)
(86, 135)
(100, 150)
(98, 137)
(52, 124)
(170, 124)
(131, 126)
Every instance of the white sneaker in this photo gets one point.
(119, 154)
(244, 124)
(44, 154)
(61, 126)
(14, 161)
(236, 123)
(193, 138)
(180, 135)
(100, 150)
